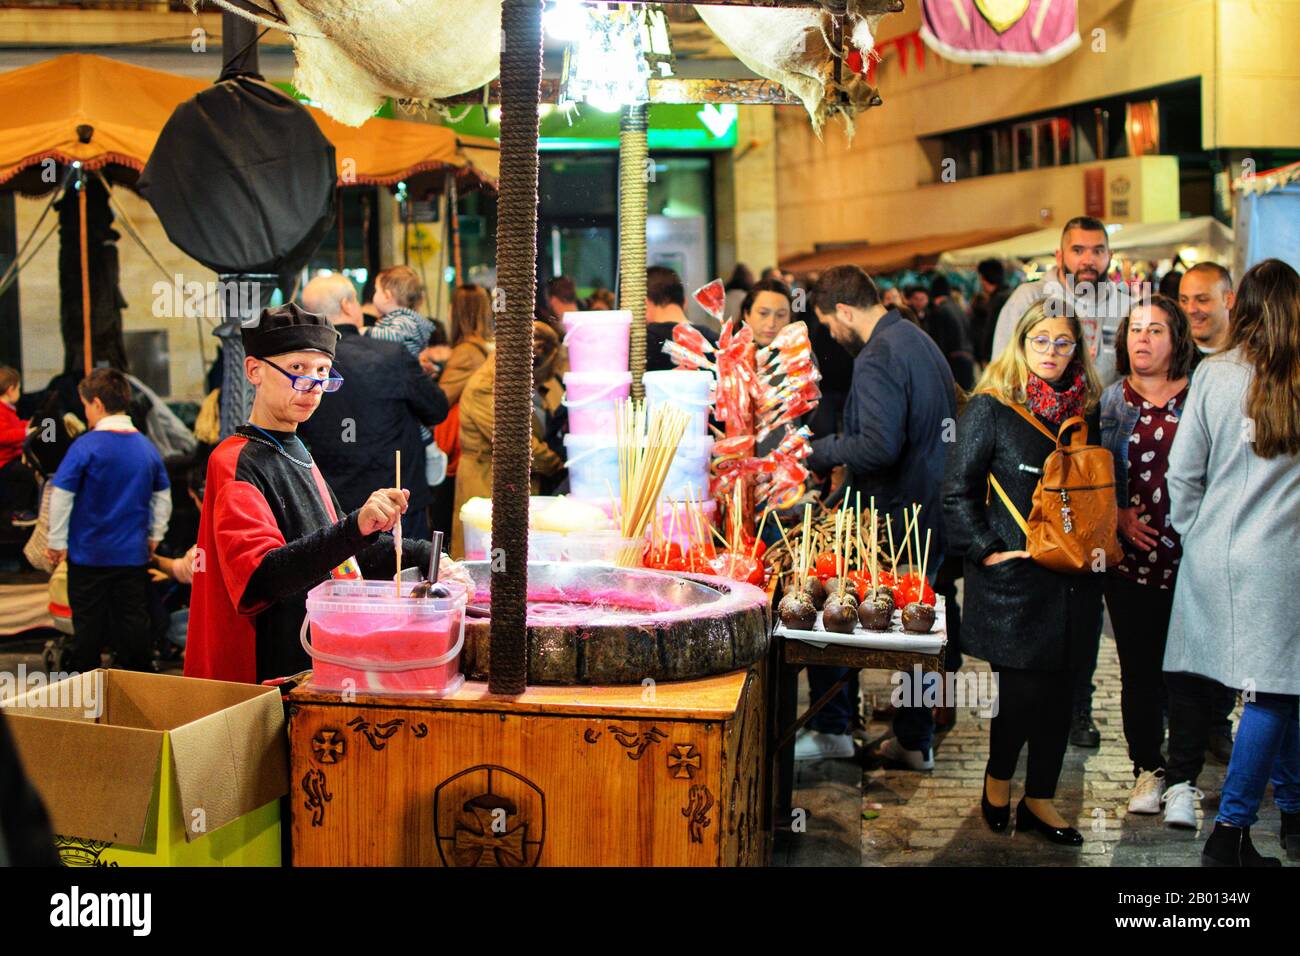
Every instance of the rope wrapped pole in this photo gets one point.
(633, 186)
(521, 74)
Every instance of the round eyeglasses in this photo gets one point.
(1042, 344)
(305, 383)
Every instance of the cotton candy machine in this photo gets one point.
(595, 624)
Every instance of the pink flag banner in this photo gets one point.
(1007, 32)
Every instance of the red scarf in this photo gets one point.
(1053, 406)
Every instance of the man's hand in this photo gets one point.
(1131, 527)
(153, 548)
(997, 557)
(382, 509)
(55, 557)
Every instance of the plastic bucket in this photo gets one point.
(592, 399)
(598, 341)
(604, 547)
(688, 476)
(691, 391)
(365, 638)
(593, 465)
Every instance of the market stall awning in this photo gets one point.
(121, 108)
(892, 256)
(1144, 240)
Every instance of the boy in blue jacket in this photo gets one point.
(109, 509)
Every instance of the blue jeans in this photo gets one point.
(837, 716)
(1267, 747)
(913, 726)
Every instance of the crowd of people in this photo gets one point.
(926, 400)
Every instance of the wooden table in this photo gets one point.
(787, 657)
(669, 774)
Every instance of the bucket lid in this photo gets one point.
(603, 316)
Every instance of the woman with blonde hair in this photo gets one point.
(471, 338)
(1234, 488)
(1032, 624)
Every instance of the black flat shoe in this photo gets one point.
(1290, 835)
(1231, 846)
(996, 817)
(1062, 836)
(1084, 732)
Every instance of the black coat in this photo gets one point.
(384, 399)
(901, 406)
(1016, 614)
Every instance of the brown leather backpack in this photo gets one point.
(1074, 516)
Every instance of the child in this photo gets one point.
(109, 510)
(271, 529)
(398, 294)
(17, 483)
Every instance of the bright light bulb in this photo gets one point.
(565, 20)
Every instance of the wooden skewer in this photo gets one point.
(758, 535)
(893, 555)
(916, 528)
(924, 561)
(907, 538)
(397, 532)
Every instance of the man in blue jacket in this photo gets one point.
(898, 423)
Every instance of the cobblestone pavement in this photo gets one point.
(933, 819)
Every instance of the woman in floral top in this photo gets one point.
(1155, 353)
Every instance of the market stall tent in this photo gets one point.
(1209, 238)
(107, 115)
(1266, 214)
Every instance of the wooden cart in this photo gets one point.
(664, 775)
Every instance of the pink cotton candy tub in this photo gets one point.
(364, 638)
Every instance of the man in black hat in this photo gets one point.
(271, 529)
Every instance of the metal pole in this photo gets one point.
(85, 273)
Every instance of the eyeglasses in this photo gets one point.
(305, 383)
(1043, 343)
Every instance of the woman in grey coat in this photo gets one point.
(1234, 487)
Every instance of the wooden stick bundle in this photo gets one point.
(647, 444)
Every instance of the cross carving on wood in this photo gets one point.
(684, 761)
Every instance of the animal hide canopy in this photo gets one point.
(793, 47)
(353, 54)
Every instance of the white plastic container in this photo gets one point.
(592, 399)
(688, 476)
(691, 391)
(598, 341)
(592, 461)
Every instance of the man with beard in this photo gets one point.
(902, 405)
(1205, 293)
(1078, 285)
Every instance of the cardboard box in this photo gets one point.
(155, 770)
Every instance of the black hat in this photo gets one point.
(288, 328)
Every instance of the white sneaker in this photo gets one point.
(1181, 801)
(1148, 790)
(893, 751)
(814, 745)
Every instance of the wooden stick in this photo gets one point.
(857, 525)
(758, 535)
(924, 561)
(907, 538)
(916, 528)
(397, 532)
(893, 555)
(875, 557)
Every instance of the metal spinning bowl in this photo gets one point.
(596, 624)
